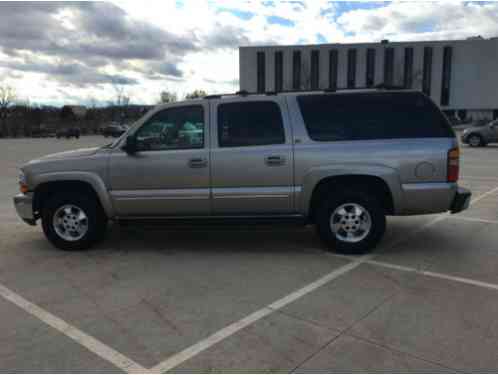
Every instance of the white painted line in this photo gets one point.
(222, 334)
(478, 178)
(437, 275)
(475, 219)
(484, 195)
(233, 328)
(89, 342)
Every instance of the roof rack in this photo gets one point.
(380, 86)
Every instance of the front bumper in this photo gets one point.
(24, 207)
(461, 201)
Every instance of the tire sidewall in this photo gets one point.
(480, 143)
(88, 205)
(365, 200)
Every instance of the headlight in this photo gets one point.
(23, 186)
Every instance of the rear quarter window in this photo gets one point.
(344, 117)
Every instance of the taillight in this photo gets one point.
(453, 164)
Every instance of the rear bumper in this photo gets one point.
(461, 201)
(431, 198)
(24, 207)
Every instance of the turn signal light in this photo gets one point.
(453, 164)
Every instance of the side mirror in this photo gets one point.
(130, 146)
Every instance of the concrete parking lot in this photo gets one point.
(204, 299)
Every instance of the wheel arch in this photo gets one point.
(387, 189)
(48, 184)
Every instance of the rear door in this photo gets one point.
(251, 157)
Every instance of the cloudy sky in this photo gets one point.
(72, 52)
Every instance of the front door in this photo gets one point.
(251, 157)
(169, 173)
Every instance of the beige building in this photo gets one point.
(461, 76)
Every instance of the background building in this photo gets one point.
(461, 76)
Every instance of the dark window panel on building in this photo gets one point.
(279, 71)
(333, 64)
(389, 66)
(427, 73)
(408, 68)
(351, 68)
(446, 79)
(261, 78)
(296, 70)
(315, 69)
(370, 76)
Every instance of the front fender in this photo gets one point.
(91, 178)
(389, 175)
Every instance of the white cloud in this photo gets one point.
(194, 46)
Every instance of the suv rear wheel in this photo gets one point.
(351, 222)
(73, 221)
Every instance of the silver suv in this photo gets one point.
(340, 160)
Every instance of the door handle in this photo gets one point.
(274, 160)
(197, 163)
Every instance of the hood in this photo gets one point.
(68, 154)
(473, 129)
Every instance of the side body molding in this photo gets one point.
(389, 175)
(93, 179)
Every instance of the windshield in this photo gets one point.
(127, 131)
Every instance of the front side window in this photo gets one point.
(250, 124)
(173, 129)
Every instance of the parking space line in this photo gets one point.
(479, 178)
(475, 219)
(184, 355)
(484, 195)
(233, 328)
(100, 349)
(437, 275)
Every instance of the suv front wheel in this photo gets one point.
(73, 221)
(351, 222)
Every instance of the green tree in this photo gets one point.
(167, 97)
(196, 94)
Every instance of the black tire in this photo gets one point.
(475, 144)
(97, 221)
(356, 196)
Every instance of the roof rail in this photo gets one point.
(380, 86)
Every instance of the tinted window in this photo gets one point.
(370, 67)
(315, 68)
(296, 70)
(351, 68)
(173, 129)
(372, 116)
(445, 86)
(427, 73)
(279, 71)
(249, 124)
(261, 72)
(333, 61)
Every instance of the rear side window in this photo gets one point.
(343, 117)
(250, 124)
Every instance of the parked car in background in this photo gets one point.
(342, 161)
(68, 133)
(113, 130)
(480, 134)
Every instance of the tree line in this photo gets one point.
(20, 118)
